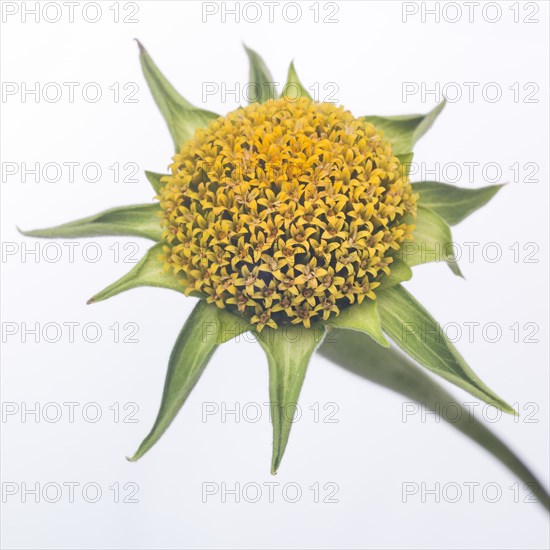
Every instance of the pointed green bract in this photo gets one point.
(288, 349)
(415, 331)
(406, 161)
(196, 343)
(154, 179)
(230, 325)
(294, 89)
(181, 116)
(148, 272)
(453, 203)
(261, 83)
(399, 272)
(432, 241)
(391, 369)
(140, 220)
(404, 131)
(362, 317)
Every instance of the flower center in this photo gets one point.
(276, 210)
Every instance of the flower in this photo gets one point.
(251, 196)
(289, 219)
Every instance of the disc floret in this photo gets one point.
(286, 212)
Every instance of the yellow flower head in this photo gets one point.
(286, 211)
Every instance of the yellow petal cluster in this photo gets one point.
(286, 211)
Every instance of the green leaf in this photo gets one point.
(392, 370)
(181, 116)
(139, 220)
(404, 131)
(194, 347)
(452, 203)
(399, 272)
(415, 331)
(154, 180)
(432, 241)
(148, 272)
(261, 82)
(362, 317)
(294, 89)
(288, 349)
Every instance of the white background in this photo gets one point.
(370, 451)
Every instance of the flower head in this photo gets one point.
(286, 211)
(290, 212)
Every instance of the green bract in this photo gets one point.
(362, 328)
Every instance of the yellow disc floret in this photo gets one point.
(286, 211)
